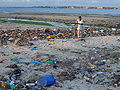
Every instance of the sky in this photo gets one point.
(20, 3)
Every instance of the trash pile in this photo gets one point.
(101, 69)
(12, 78)
(28, 67)
(98, 66)
(22, 37)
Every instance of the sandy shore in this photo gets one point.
(71, 54)
(74, 63)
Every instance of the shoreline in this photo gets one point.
(89, 19)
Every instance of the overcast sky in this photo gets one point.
(110, 3)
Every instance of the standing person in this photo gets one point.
(79, 27)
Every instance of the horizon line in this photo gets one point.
(62, 6)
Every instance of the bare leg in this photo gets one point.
(78, 32)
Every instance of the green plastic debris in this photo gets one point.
(50, 62)
(14, 59)
(12, 86)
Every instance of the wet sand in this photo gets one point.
(66, 17)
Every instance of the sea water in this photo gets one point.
(61, 10)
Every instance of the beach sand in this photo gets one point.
(72, 54)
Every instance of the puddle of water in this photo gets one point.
(57, 24)
(52, 23)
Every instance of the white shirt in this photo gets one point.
(80, 21)
(80, 24)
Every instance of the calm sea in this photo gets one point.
(61, 10)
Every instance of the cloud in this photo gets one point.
(95, 1)
(60, 3)
(18, 0)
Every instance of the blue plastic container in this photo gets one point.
(34, 62)
(32, 49)
(101, 63)
(46, 80)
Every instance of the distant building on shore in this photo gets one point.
(118, 8)
(100, 7)
(81, 7)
